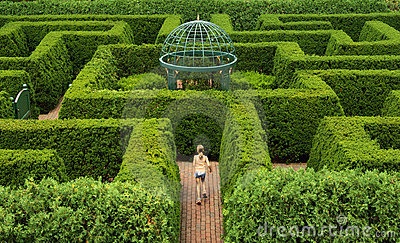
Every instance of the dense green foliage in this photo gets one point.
(361, 93)
(391, 106)
(6, 109)
(243, 145)
(197, 129)
(142, 81)
(245, 19)
(149, 161)
(18, 165)
(85, 210)
(365, 143)
(284, 206)
(88, 147)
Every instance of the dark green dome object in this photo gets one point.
(198, 46)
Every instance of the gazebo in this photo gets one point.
(198, 47)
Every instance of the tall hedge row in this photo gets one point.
(243, 146)
(145, 27)
(307, 206)
(290, 118)
(289, 58)
(6, 109)
(361, 93)
(391, 106)
(88, 147)
(245, 19)
(85, 210)
(16, 166)
(364, 143)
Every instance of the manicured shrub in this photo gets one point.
(283, 205)
(245, 19)
(251, 80)
(6, 109)
(361, 93)
(290, 118)
(18, 165)
(142, 81)
(86, 210)
(364, 143)
(391, 107)
(88, 147)
(243, 145)
(197, 129)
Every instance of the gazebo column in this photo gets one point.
(225, 79)
(171, 79)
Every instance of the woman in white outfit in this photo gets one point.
(200, 162)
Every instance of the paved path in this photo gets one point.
(53, 114)
(200, 223)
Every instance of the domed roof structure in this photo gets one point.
(198, 46)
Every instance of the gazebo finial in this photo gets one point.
(198, 16)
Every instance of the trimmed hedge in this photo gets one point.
(365, 143)
(13, 42)
(376, 38)
(351, 24)
(150, 161)
(18, 165)
(290, 118)
(245, 19)
(50, 64)
(49, 68)
(250, 80)
(142, 81)
(145, 27)
(289, 58)
(11, 81)
(391, 106)
(88, 147)
(86, 210)
(361, 93)
(243, 146)
(311, 41)
(6, 108)
(283, 205)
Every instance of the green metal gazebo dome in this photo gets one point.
(198, 46)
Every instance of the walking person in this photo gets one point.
(200, 165)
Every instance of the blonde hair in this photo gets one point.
(200, 150)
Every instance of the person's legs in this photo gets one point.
(198, 200)
(203, 184)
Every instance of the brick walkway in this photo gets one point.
(295, 166)
(53, 114)
(200, 223)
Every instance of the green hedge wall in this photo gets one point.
(18, 165)
(6, 109)
(11, 81)
(290, 58)
(49, 69)
(149, 161)
(243, 146)
(88, 147)
(245, 19)
(361, 93)
(145, 27)
(376, 38)
(307, 206)
(351, 24)
(13, 42)
(354, 142)
(391, 106)
(85, 210)
(290, 118)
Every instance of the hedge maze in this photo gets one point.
(318, 88)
